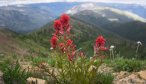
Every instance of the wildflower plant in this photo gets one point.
(99, 48)
(71, 65)
(137, 49)
(112, 56)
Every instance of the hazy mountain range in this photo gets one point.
(123, 23)
(26, 18)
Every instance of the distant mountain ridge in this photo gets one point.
(107, 12)
(125, 24)
(23, 19)
(27, 18)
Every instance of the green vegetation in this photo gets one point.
(124, 64)
(62, 71)
(104, 78)
(81, 33)
(15, 75)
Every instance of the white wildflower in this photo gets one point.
(112, 47)
(51, 48)
(91, 58)
(139, 43)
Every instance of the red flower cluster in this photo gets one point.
(62, 47)
(62, 25)
(65, 20)
(71, 56)
(53, 41)
(100, 41)
(99, 44)
(57, 25)
(69, 42)
(61, 39)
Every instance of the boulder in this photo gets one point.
(105, 69)
(123, 74)
(1, 78)
(32, 80)
(92, 68)
(142, 74)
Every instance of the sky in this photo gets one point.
(10, 2)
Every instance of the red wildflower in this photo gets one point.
(102, 48)
(62, 47)
(71, 56)
(69, 42)
(54, 41)
(68, 30)
(100, 41)
(65, 37)
(81, 54)
(73, 47)
(64, 20)
(57, 25)
(99, 45)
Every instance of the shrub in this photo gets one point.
(80, 71)
(5, 63)
(121, 64)
(14, 75)
(104, 78)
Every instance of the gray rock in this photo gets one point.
(1, 78)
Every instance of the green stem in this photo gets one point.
(69, 69)
(113, 54)
(137, 49)
(62, 72)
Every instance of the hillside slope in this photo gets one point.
(135, 31)
(11, 44)
(8, 44)
(84, 36)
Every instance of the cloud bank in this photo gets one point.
(13, 2)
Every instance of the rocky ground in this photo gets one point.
(124, 77)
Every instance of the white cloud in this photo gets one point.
(118, 1)
(10, 2)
